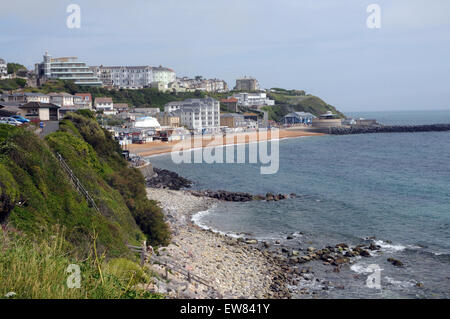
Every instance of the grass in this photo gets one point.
(38, 268)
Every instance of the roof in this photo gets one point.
(59, 94)
(84, 95)
(229, 100)
(231, 115)
(39, 105)
(120, 105)
(103, 100)
(300, 114)
(26, 94)
(250, 114)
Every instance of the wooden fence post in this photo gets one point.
(143, 252)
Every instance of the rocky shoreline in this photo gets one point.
(235, 267)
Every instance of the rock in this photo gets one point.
(342, 245)
(266, 244)
(311, 249)
(251, 241)
(372, 246)
(284, 250)
(395, 262)
(295, 253)
(419, 285)
(364, 253)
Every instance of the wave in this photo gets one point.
(197, 217)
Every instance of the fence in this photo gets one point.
(76, 182)
(167, 264)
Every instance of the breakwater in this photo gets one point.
(360, 129)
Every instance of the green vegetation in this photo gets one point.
(14, 67)
(31, 267)
(12, 84)
(287, 101)
(36, 196)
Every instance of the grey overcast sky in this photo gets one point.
(321, 46)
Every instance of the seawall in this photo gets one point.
(345, 130)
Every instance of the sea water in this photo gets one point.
(394, 187)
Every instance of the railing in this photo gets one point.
(76, 182)
(146, 256)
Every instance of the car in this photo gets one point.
(20, 118)
(10, 121)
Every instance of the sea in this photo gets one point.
(391, 188)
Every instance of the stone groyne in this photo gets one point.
(345, 130)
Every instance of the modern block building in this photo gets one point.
(65, 68)
(253, 99)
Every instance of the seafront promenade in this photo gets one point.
(158, 147)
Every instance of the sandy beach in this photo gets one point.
(158, 147)
(234, 268)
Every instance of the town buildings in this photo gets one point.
(253, 100)
(231, 104)
(85, 101)
(196, 114)
(168, 119)
(135, 77)
(104, 104)
(298, 118)
(65, 68)
(326, 121)
(62, 99)
(246, 84)
(25, 97)
(40, 111)
(200, 84)
(233, 120)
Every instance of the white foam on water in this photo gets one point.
(389, 247)
(398, 283)
(197, 217)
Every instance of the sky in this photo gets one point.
(321, 46)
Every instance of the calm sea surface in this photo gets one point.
(394, 186)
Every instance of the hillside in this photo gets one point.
(36, 193)
(287, 101)
(47, 225)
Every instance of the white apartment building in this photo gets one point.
(3, 69)
(134, 77)
(197, 114)
(65, 68)
(253, 99)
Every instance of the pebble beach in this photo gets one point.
(234, 268)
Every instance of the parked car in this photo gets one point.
(20, 118)
(10, 121)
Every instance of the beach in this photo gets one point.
(159, 147)
(234, 268)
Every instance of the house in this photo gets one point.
(26, 97)
(121, 107)
(233, 120)
(168, 119)
(10, 108)
(298, 118)
(231, 104)
(251, 116)
(85, 102)
(40, 111)
(253, 100)
(104, 104)
(62, 99)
